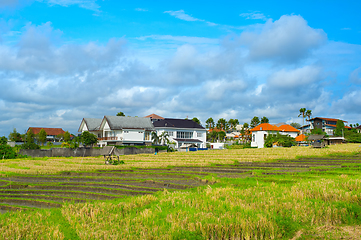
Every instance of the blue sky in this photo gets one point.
(63, 60)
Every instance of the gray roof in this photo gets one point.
(93, 124)
(116, 123)
(315, 137)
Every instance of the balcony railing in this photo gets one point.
(107, 138)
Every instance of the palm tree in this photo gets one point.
(303, 114)
(163, 138)
(210, 123)
(155, 138)
(308, 114)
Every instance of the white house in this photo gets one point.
(182, 131)
(260, 133)
(116, 130)
(91, 125)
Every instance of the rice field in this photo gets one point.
(278, 193)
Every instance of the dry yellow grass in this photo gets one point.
(200, 158)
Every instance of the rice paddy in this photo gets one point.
(279, 193)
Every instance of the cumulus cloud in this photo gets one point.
(350, 103)
(300, 77)
(288, 39)
(49, 82)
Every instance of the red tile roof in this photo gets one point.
(265, 127)
(215, 129)
(300, 138)
(288, 128)
(154, 116)
(49, 131)
(331, 125)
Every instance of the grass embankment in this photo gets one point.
(307, 205)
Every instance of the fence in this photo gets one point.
(82, 152)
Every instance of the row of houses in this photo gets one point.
(117, 130)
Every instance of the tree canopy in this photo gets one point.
(264, 120)
(120, 114)
(15, 136)
(88, 139)
(196, 120)
(340, 126)
(255, 121)
(42, 136)
(210, 123)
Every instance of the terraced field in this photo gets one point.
(24, 191)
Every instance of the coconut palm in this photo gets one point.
(155, 138)
(303, 114)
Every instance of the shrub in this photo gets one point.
(30, 145)
(7, 152)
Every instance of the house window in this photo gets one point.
(147, 136)
(253, 137)
(199, 134)
(170, 134)
(126, 131)
(184, 134)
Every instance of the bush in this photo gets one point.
(7, 152)
(30, 145)
(281, 140)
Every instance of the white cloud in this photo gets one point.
(87, 4)
(254, 15)
(300, 77)
(180, 14)
(182, 39)
(288, 39)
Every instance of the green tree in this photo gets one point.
(7, 152)
(88, 139)
(164, 138)
(308, 114)
(210, 123)
(295, 125)
(66, 136)
(255, 122)
(221, 135)
(318, 131)
(15, 136)
(42, 136)
(264, 120)
(222, 124)
(120, 114)
(340, 128)
(233, 123)
(3, 141)
(29, 137)
(196, 120)
(303, 114)
(155, 138)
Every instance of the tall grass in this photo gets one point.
(258, 210)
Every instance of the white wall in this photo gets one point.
(173, 134)
(133, 135)
(258, 139)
